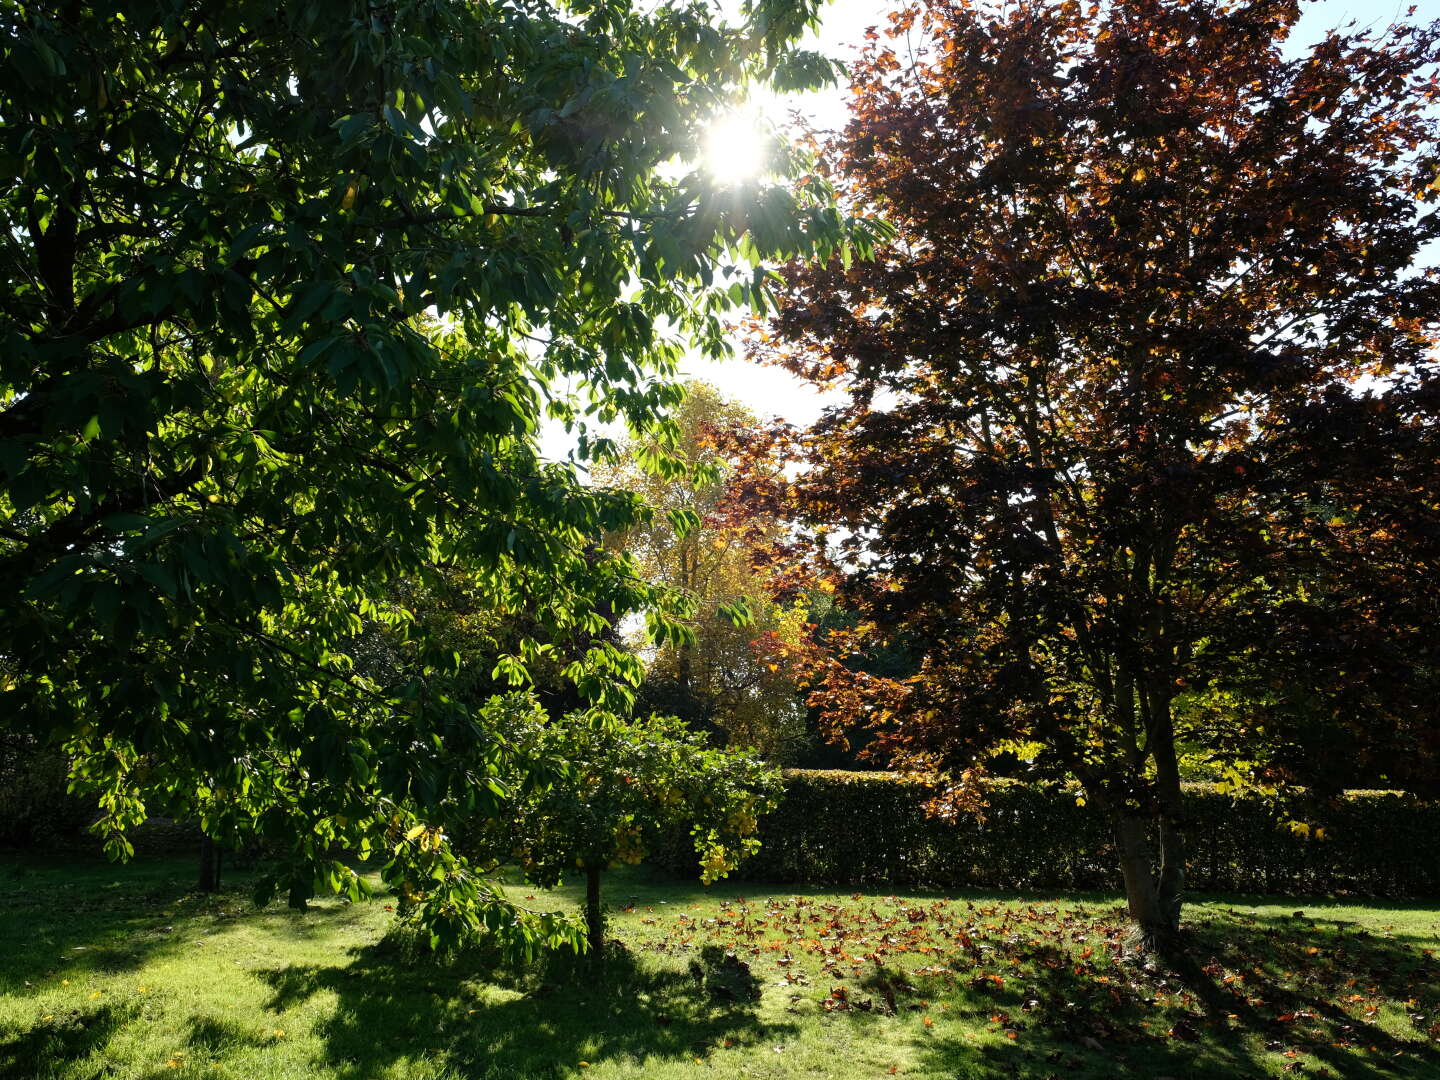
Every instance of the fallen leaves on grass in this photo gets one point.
(1069, 969)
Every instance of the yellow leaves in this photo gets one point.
(347, 201)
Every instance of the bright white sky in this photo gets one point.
(771, 392)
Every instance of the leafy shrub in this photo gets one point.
(855, 828)
(612, 791)
(625, 784)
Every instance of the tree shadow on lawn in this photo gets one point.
(111, 920)
(98, 917)
(216, 1035)
(70, 1035)
(1253, 995)
(482, 1018)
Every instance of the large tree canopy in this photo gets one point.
(288, 290)
(1141, 441)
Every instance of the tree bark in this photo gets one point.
(594, 920)
(209, 865)
(1155, 926)
(1170, 811)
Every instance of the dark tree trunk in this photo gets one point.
(594, 920)
(683, 669)
(209, 865)
(1170, 815)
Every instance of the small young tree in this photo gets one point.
(1141, 437)
(626, 786)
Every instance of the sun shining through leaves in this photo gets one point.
(736, 148)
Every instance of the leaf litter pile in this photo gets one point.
(1310, 990)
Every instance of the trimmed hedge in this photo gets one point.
(852, 828)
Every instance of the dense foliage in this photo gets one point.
(625, 786)
(699, 543)
(287, 291)
(1140, 445)
(1038, 836)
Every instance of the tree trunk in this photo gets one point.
(1170, 817)
(594, 920)
(209, 865)
(1171, 885)
(1155, 927)
(683, 668)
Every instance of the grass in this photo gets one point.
(120, 972)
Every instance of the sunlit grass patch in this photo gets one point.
(121, 972)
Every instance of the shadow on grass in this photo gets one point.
(69, 1036)
(97, 916)
(215, 1035)
(92, 916)
(481, 1018)
(1252, 996)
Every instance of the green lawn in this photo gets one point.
(118, 972)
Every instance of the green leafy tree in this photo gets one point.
(626, 786)
(287, 291)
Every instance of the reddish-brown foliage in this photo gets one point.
(1140, 450)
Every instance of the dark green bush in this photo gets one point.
(36, 808)
(869, 829)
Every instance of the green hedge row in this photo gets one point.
(868, 829)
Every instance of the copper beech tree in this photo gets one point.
(1139, 444)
